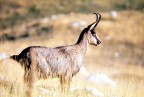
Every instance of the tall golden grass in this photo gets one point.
(120, 57)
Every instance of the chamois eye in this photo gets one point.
(93, 34)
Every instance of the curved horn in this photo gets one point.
(98, 17)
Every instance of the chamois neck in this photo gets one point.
(82, 42)
(82, 36)
(82, 39)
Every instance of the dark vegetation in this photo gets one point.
(14, 12)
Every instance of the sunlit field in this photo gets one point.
(120, 56)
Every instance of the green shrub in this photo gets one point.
(33, 11)
(128, 4)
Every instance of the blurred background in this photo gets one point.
(55, 23)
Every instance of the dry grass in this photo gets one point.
(120, 57)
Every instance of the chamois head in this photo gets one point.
(92, 37)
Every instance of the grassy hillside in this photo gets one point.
(120, 55)
(56, 23)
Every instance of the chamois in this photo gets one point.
(62, 62)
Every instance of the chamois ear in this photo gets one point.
(89, 26)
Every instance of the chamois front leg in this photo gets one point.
(65, 83)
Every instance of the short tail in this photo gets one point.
(15, 57)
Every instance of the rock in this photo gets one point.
(116, 54)
(1, 77)
(83, 71)
(83, 23)
(101, 78)
(98, 78)
(43, 91)
(53, 17)
(44, 20)
(113, 14)
(108, 37)
(75, 24)
(95, 92)
(3, 56)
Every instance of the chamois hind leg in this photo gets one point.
(26, 76)
(31, 76)
(29, 80)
